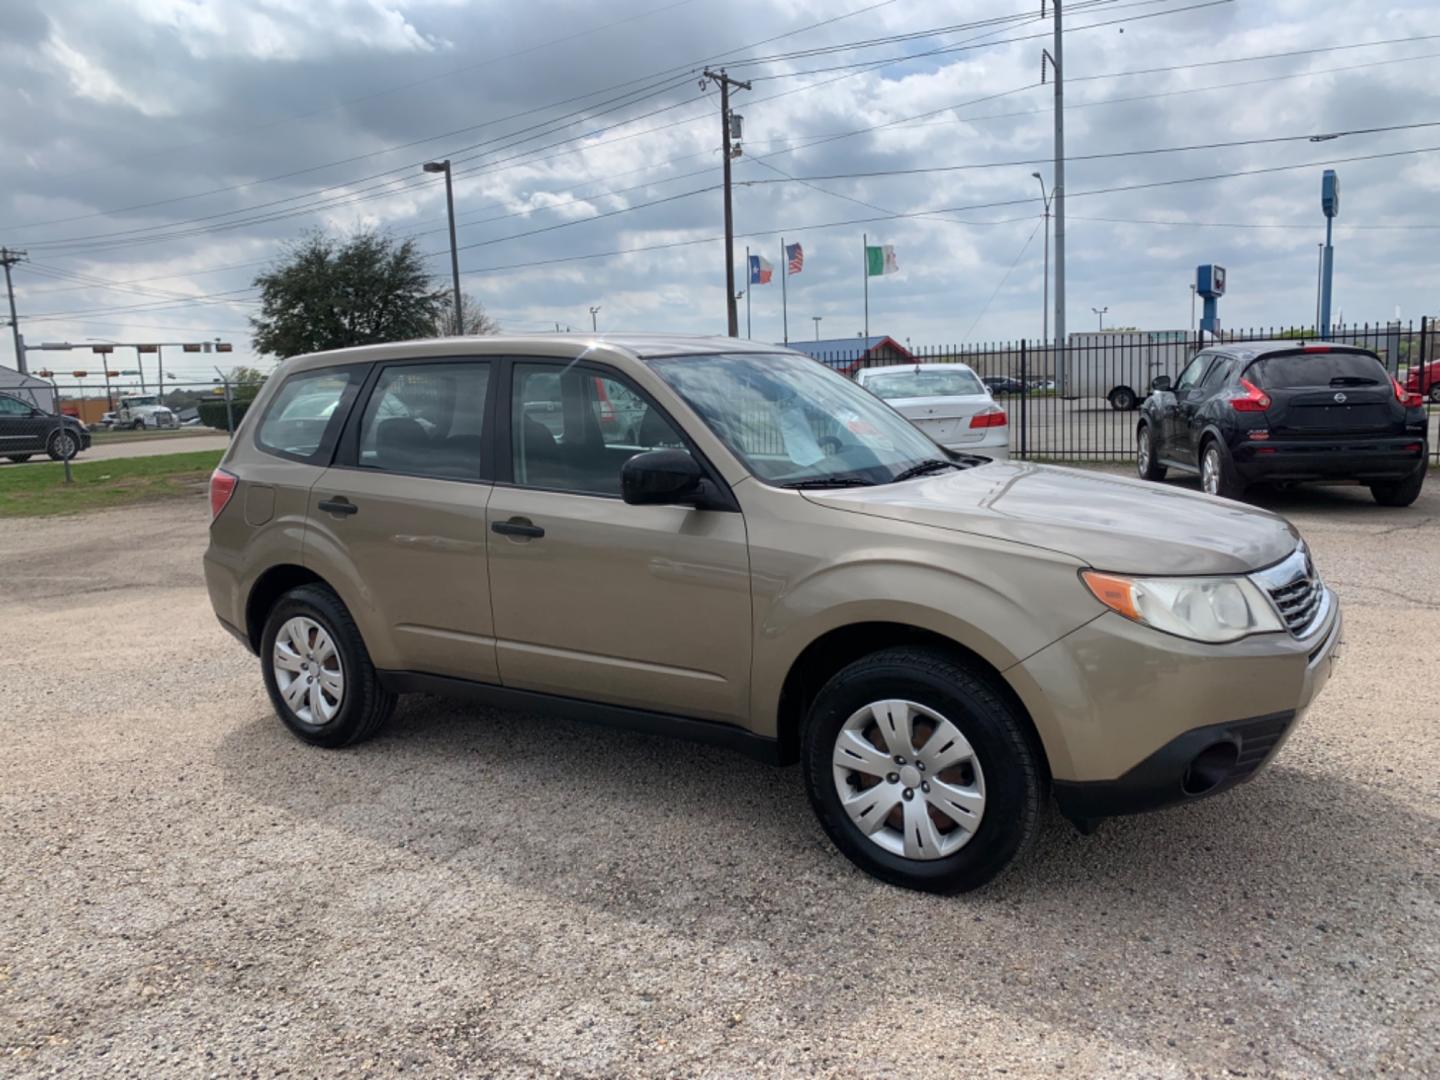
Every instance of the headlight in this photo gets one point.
(1212, 609)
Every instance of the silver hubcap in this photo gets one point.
(1210, 472)
(308, 671)
(909, 779)
(1144, 452)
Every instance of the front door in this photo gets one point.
(399, 519)
(23, 428)
(1180, 408)
(645, 606)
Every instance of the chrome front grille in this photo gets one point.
(1296, 591)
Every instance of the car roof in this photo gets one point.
(1253, 350)
(563, 346)
(889, 369)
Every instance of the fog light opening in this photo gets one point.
(1210, 767)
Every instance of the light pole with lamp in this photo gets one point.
(1100, 314)
(594, 323)
(1192, 307)
(438, 167)
(1045, 201)
(817, 319)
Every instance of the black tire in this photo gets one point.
(1014, 783)
(55, 445)
(1147, 459)
(1402, 493)
(19, 459)
(1123, 399)
(1228, 484)
(364, 704)
(139, 425)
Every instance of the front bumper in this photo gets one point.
(1361, 460)
(1127, 714)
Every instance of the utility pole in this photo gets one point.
(730, 148)
(10, 258)
(1045, 289)
(749, 288)
(1057, 191)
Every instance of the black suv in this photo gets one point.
(26, 431)
(1284, 411)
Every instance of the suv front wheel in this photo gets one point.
(920, 772)
(318, 671)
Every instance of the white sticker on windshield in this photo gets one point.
(800, 444)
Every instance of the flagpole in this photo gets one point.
(865, 268)
(784, 308)
(750, 284)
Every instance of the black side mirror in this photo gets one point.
(661, 478)
(1160, 382)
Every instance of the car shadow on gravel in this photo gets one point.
(1238, 897)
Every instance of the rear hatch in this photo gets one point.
(1320, 394)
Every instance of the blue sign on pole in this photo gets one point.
(1330, 204)
(1210, 284)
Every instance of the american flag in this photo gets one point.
(794, 258)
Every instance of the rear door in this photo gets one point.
(1323, 394)
(397, 523)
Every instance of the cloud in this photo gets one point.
(227, 129)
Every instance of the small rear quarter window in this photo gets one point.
(303, 419)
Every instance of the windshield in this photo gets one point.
(914, 384)
(795, 422)
(134, 401)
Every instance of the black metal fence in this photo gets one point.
(1078, 402)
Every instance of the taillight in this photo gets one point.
(1252, 400)
(1410, 401)
(994, 416)
(222, 486)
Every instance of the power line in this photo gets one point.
(1307, 226)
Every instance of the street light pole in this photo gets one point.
(1100, 314)
(444, 166)
(1045, 303)
(817, 319)
(1192, 307)
(594, 324)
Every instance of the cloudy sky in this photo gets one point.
(159, 153)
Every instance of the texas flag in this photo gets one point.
(759, 270)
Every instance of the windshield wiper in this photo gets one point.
(1354, 380)
(829, 482)
(921, 468)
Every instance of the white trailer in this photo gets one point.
(1119, 365)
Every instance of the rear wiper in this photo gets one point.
(1354, 380)
(829, 482)
(923, 467)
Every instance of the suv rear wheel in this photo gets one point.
(318, 671)
(1147, 463)
(920, 772)
(1217, 473)
(1402, 493)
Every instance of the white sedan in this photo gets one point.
(946, 401)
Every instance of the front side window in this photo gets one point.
(892, 386)
(10, 406)
(427, 420)
(1190, 377)
(572, 428)
(794, 422)
(302, 419)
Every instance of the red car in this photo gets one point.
(1425, 381)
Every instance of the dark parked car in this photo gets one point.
(1281, 411)
(26, 431)
(1002, 384)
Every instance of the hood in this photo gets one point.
(1108, 522)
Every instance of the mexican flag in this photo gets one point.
(880, 260)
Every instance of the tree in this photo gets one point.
(329, 293)
(476, 321)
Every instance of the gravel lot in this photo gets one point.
(189, 891)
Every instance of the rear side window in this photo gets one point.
(1317, 369)
(1216, 376)
(427, 420)
(304, 417)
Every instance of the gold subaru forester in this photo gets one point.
(733, 543)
